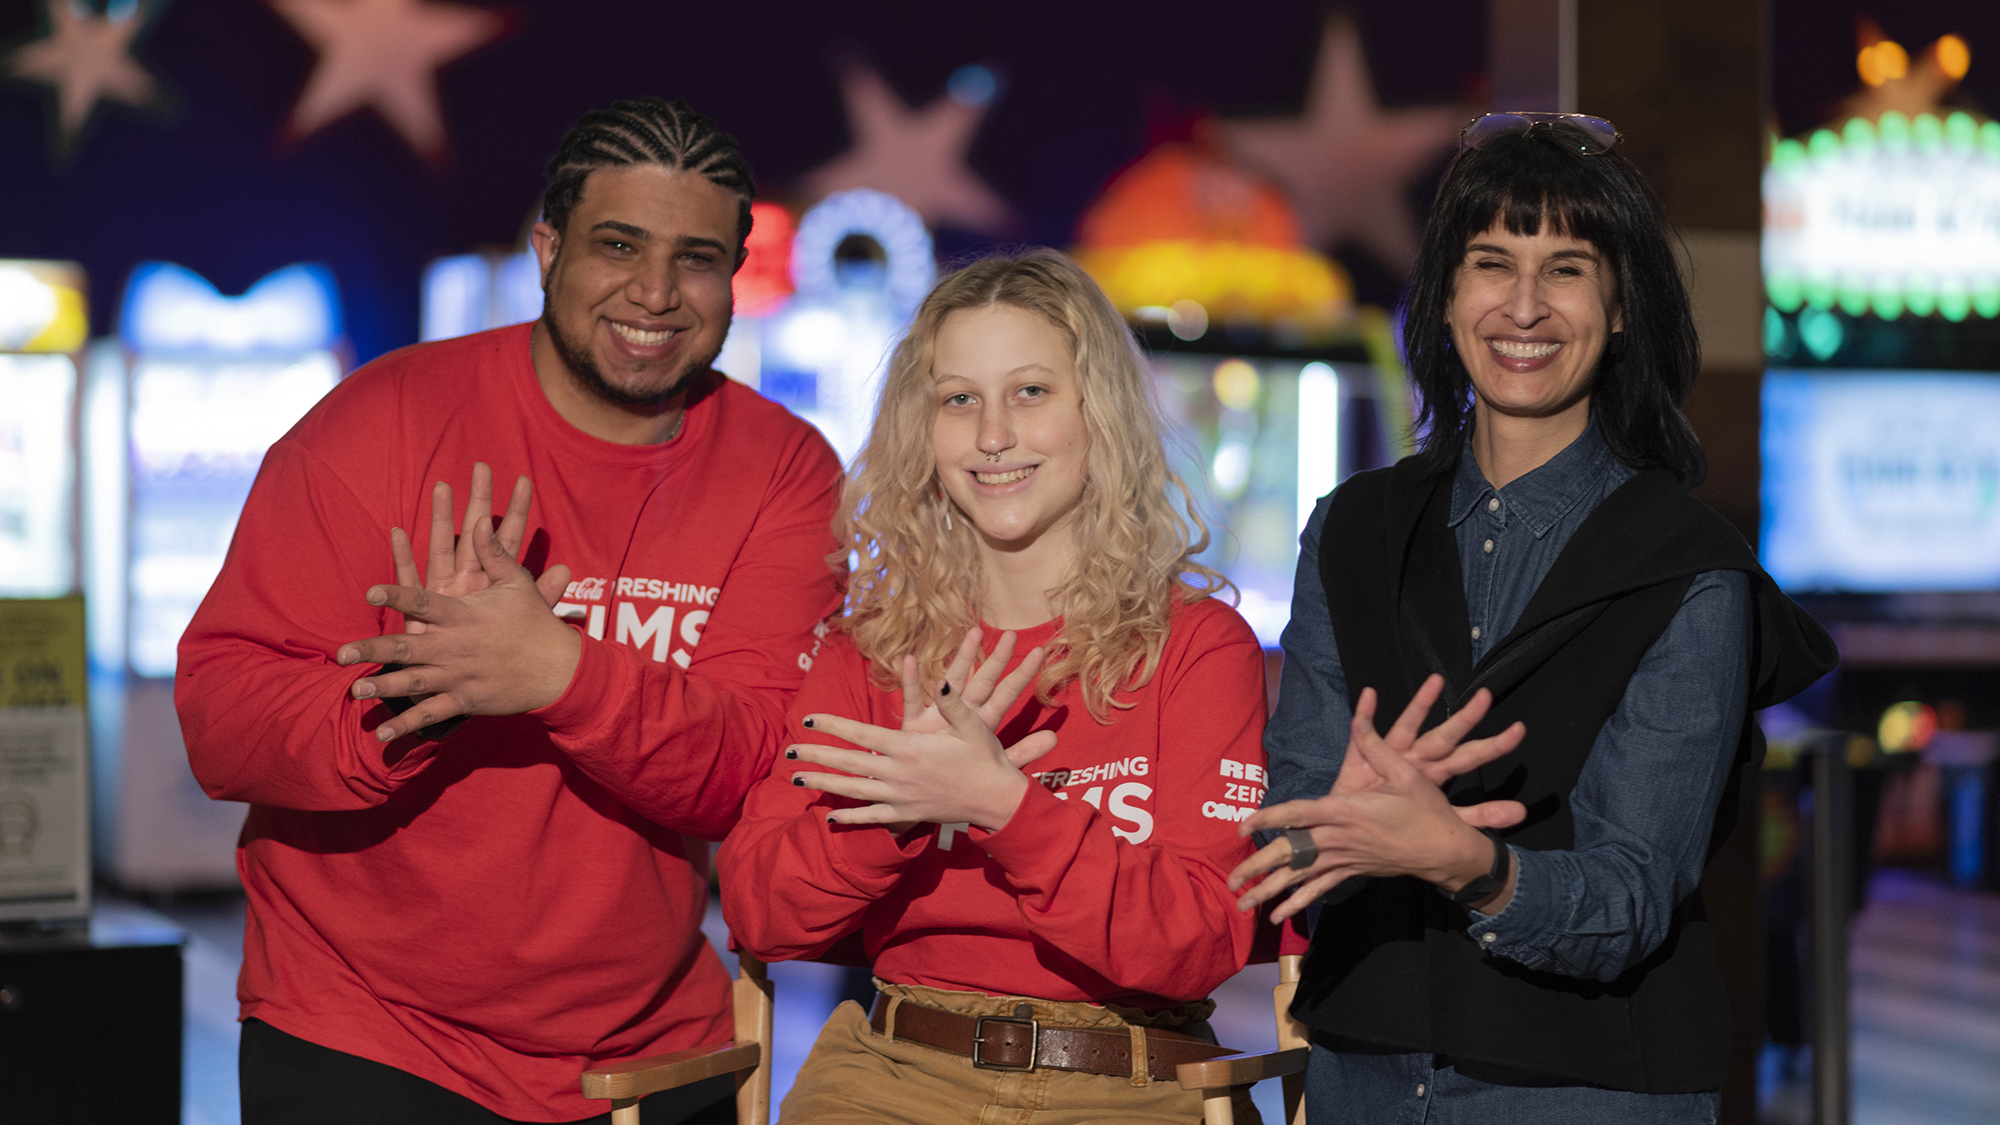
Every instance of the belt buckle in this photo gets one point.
(979, 1039)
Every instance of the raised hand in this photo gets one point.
(977, 682)
(453, 565)
(1387, 785)
(960, 773)
(497, 650)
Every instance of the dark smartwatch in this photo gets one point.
(1489, 884)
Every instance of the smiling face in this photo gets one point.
(636, 285)
(1530, 316)
(1009, 434)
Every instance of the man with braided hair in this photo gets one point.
(478, 870)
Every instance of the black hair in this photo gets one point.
(647, 131)
(1524, 180)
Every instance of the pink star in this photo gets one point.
(1346, 161)
(87, 58)
(917, 156)
(383, 55)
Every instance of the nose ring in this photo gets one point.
(995, 457)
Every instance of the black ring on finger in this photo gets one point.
(1304, 851)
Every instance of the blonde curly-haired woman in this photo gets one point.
(1033, 928)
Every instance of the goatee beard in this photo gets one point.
(583, 367)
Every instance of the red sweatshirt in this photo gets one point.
(497, 911)
(1105, 885)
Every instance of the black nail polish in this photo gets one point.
(830, 820)
(807, 722)
(798, 779)
(792, 752)
(946, 689)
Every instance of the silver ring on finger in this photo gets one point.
(1304, 851)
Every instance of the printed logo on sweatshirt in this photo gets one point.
(1240, 797)
(667, 632)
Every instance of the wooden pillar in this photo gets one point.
(1686, 82)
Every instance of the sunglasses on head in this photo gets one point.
(1599, 135)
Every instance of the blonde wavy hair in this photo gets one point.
(1138, 527)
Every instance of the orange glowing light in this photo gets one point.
(1953, 56)
(1882, 62)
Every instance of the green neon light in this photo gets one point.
(1820, 332)
(1894, 132)
(1785, 290)
(1954, 304)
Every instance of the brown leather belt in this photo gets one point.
(1020, 1042)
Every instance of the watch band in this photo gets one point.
(1488, 884)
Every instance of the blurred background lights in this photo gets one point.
(972, 85)
(1882, 61)
(1187, 320)
(1954, 57)
(1907, 727)
(1236, 384)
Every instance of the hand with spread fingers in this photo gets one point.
(453, 565)
(981, 685)
(1386, 814)
(492, 649)
(946, 765)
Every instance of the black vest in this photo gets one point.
(1391, 964)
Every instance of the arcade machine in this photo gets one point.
(44, 779)
(861, 262)
(42, 326)
(1278, 385)
(178, 413)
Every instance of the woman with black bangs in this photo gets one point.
(1538, 563)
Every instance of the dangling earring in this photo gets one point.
(947, 517)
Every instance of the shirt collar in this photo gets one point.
(1546, 493)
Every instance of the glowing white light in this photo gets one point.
(742, 354)
(455, 296)
(27, 305)
(1187, 320)
(36, 477)
(1319, 436)
(105, 456)
(469, 293)
(1231, 469)
(912, 262)
(198, 434)
(170, 308)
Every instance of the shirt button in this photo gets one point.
(1493, 505)
(1489, 546)
(1475, 632)
(1489, 937)
(1420, 1089)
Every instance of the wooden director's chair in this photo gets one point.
(625, 1082)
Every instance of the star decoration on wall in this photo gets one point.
(87, 58)
(917, 156)
(383, 55)
(1346, 161)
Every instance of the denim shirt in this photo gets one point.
(1645, 800)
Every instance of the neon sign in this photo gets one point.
(1893, 217)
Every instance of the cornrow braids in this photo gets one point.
(647, 131)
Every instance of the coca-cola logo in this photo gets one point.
(586, 590)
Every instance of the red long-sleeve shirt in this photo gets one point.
(1106, 884)
(496, 911)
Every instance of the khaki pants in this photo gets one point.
(856, 1074)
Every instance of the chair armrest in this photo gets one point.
(1240, 1070)
(635, 1078)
